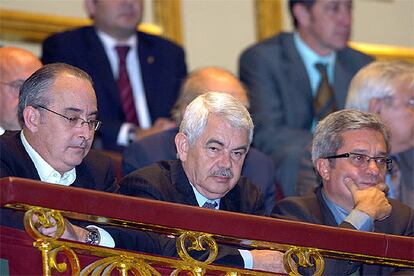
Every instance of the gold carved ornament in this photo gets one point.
(304, 257)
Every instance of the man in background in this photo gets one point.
(258, 168)
(385, 88)
(295, 79)
(136, 75)
(212, 143)
(16, 65)
(350, 152)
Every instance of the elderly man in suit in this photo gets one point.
(212, 143)
(257, 167)
(57, 110)
(385, 88)
(136, 75)
(295, 79)
(350, 152)
(16, 65)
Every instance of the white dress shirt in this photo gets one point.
(50, 175)
(135, 78)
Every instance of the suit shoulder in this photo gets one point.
(70, 35)
(355, 57)
(96, 159)
(273, 45)
(297, 208)
(157, 41)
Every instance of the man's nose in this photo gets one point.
(373, 167)
(225, 160)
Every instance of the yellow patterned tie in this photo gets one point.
(324, 101)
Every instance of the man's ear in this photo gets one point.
(182, 145)
(31, 117)
(90, 7)
(375, 106)
(302, 14)
(324, 169)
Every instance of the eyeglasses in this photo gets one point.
(16, 84)
(362, 160)
(76, 122)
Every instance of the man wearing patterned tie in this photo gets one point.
(212, 143)
(387, 89)
(295, 79)
(136, 75)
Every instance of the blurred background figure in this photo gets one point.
(387, 89)
(295, 79)
(16, 65)
(258, 168)
(136, 75)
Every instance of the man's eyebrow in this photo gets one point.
(77, 110)
(363, 151)
(214, 141)
(244, 147)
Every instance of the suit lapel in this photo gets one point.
(294, 72)
(100, 67)
(182, 185)
(342, 78)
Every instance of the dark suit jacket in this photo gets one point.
(167, 181)
(95, 172)
(258, 168)
(281, 99)
(313, 209)
(162, 68)
(308, 182)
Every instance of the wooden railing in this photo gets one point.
(185, 222)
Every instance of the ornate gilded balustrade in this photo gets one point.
(310, 244)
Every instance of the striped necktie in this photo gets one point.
(125, 88)
(324, 101)
(210, 205)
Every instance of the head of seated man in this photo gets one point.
(350, 152)
(58, 111)
(214, 138)
(386, 88)
(16, 65)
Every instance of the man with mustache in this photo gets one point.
(212, 143)
(350, 152)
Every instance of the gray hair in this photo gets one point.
(377, 80)
(328, 135)
(35, 90)
(221, 104)
(194, 85)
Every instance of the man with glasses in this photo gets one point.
(385, 88)
(16, 65)
(350, 152)
(57, 111)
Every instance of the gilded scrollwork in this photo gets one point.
(197, 242)
(42, 218)
(304, 257)
(122, 263)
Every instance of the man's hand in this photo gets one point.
(371, 201)
(159, 125)
(72, 232)
(268, 260)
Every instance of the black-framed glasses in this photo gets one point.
(362, 160)
(76, 122)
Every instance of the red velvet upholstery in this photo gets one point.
(15, 190)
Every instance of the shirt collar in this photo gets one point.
(202, 199)
(46, 172)
(338, 212)
(109, 42)
(2, 130)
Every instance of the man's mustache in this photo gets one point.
(223, 172)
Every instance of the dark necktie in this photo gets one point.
(210, 205)
(324, 101)
(125, 88)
